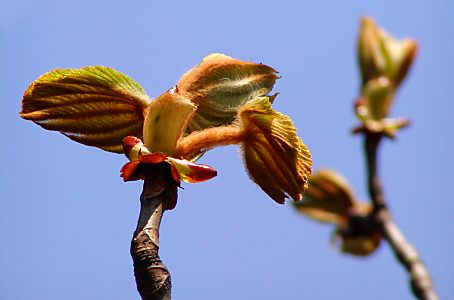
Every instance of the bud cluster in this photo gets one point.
(330, 199)
(384, 62)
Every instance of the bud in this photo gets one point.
(220, 85)
(275, 157)
(361, 235)
(380, 54)
(373, 107)
(384, 62)
(360, 245)
(377, 95)
(328, 198)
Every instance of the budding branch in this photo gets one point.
(152, 276)
(406, 254)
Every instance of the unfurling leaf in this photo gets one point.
(275, 157)
(384, 62)
(166, 120)
(380, 54)
(360, 236)
(360, 245)
(376, 99)
(220, 84)
(328, 198)
(96, 106)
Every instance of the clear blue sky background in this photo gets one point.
(66, 217)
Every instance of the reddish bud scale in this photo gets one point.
(180, 169)
(129, 142)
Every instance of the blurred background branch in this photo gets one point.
(420, 280)
(384, 62)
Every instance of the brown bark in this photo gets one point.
(152, 276)
(420, 281)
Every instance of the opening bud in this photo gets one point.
(330, 199)
(380, 54)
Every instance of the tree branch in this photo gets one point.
(406, 254)
(152, 276)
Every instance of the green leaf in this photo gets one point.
(220, 85)
(96, 106)
(275, 157)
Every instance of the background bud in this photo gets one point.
(360, 245)
(380, 54)
(377, 97)
(328, 197)
(361, 235)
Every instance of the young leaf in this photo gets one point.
(220, 85)
(275, 157)
(359, 245)
(378, 95)
(166, 120)
(380, 54)
(96, 106)
(328, 197)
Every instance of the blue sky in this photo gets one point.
(66, 217)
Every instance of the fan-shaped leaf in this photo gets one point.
(96, 106)
(275, 157)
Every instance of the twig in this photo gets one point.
(152, 276)
(407, 255)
